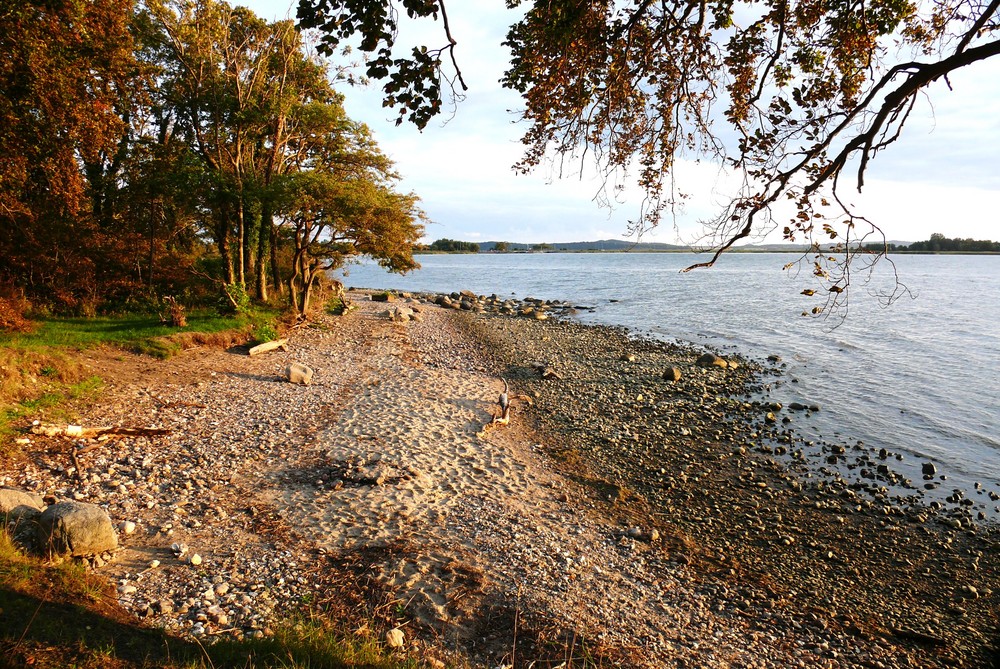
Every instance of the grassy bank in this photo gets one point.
(40, 370)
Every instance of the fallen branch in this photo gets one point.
(502, 417)
(269, 346)
(80, 432)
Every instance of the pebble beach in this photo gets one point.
(645, 505)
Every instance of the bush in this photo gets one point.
(12, 315)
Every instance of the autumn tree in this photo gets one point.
(795, 97)
(339, 202)
(65, 80)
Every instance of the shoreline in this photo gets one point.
(551, 518)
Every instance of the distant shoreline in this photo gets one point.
(735, 250)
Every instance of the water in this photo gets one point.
(920, 378)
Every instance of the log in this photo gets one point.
(269, 346)
(80, 432)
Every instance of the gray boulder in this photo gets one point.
(76, 529)
(299, 373)
(18, 507)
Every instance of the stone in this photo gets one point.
(128, 527)
(672, 374)
(712, 360)
(218, 615)
(395, 638)
(928, 469)
(76, 529)
(299, 374)
(195, 559)
(383, 297)
(17, 507)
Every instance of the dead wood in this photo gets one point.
(503, 414)
(80, 432)
(269, 346)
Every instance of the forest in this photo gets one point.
(189, 151)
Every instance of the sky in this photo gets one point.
(943, 175)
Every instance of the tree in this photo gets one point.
(66, 71)
(792, 95)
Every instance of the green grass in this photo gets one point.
(126, 331)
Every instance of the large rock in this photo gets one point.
(712, 360)
(18, 507)
(672, 374)
(75, 529)
(299, 373)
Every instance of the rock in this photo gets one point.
(195, 559)
(400, 314)
(128, 527)
(218, 615)
(163, 606)
(797, 406)
(17, 507)
(299, 373)
(712, 360)
(672, 374)
(76, 529)
(928, 469)
(395, 638)
(383, 297)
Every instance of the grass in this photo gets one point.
(39, 370)
(130, 332)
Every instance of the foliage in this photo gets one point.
(938, 243)
(453, 246)
(146, 147)
(789, 95)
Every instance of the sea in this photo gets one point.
(919, 377)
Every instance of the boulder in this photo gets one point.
(299, 373)
(75, 529)
(383, 297)
(17, 507)
(401, 314)
(712, 360)
(672, 374)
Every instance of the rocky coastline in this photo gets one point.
(646, 504)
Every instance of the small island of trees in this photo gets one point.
(938, 243)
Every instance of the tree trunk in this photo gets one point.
(276, 282)
(263, 247)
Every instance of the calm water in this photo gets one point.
(921, 377)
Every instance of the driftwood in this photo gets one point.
(502, 416)
(80, 432)
(269, 346)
